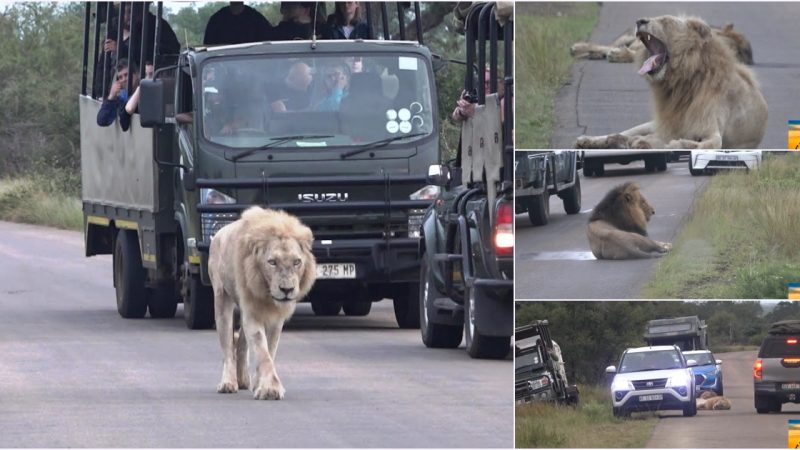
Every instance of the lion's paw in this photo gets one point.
(578, 47)
(227, 387)
(617, 141)
(665, 246)
(585, 142)
(269, 391)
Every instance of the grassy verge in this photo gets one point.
(591, 424)
(734, 348)
(741, 240)
(29, 200)
(545, 31)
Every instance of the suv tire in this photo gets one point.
(690, 410)
(620, 412)
(406, 306)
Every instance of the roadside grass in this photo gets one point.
(741, 239)
(35, 200)
(545, 32)
(590, 425)
(734, 348)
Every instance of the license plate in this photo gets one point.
(728, 158)
(336, 271)
(651, 398)
(791, 386)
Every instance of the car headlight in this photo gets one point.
(211, 223)
(677, 381)
(621, 385)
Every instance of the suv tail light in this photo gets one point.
(791, 341)
(504, 230)
(757, 366)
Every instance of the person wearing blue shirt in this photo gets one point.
(114, 104)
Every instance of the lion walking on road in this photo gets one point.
(618, 226)
(703, 97)
(262, 264)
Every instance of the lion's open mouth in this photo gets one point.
(658, 53)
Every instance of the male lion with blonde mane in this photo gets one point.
(618, 226)
(263, 264)
(703, 97)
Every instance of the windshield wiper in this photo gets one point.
(378, 144)
(277, 141)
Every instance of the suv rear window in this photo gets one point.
(779, 347)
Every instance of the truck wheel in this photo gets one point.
(129, 277)
(198, 303)
(539, 209)
(762, 404)
(406, 307)
(162, 302)
(572, 197)
(325, 307)
(692, 170)
(478, 345)
(650, 164)
(661, 162)
(434, 335)
(360, 308)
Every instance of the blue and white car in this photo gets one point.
(708, 372)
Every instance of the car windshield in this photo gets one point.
(654, 360)
(331, 100)
(531, 359)
(703, 359)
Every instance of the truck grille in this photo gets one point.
(520, 390)
(640, 385)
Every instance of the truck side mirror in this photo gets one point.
(438, 62)
(438, 175)
(151, 103)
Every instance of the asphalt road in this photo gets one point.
(739, 427)
(75, 374)
(554, 261)
(604, 98)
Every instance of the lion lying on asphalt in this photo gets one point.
(263, 264)
(625, 47)
(711, 401)
(618, 226)
(703, 97)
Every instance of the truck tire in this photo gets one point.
(406, 307)
(434, 335)
(661, 162)
(162, 302)
(650, 163)
(129, 276)
(478, 345)
(198, 304)
(325, 307)
(357, 309)
(572, 197)
(539, 209)
(762, 404)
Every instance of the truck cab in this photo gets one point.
(539, 374)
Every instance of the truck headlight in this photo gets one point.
(211, 223)
(428, 192)
(415, 217)
(539, 383)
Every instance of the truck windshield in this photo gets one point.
(655, 360)
(331, 100)
(526, 360)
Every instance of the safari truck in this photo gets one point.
(688, 333)
(539, 374)
(467, 250)
(540, 174)
(207, 143)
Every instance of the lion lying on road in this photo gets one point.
(711, 401)
(704, 98)
(263, 264)
(625, 47)
(618, 226)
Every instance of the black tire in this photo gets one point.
(539, 209)
(198, 304)
(129, 276)
(694, 172)
(434, 335)
(357, 309)
(763, 404)
(600, 170)
(325, 307)
(572, 197)
(406, 307)
(620, 412)
(650, 164)
(162, 302)
(690, 410)
(661, 162)
(478, 345)
(776, 406)
(588, 171)
(720, 389)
